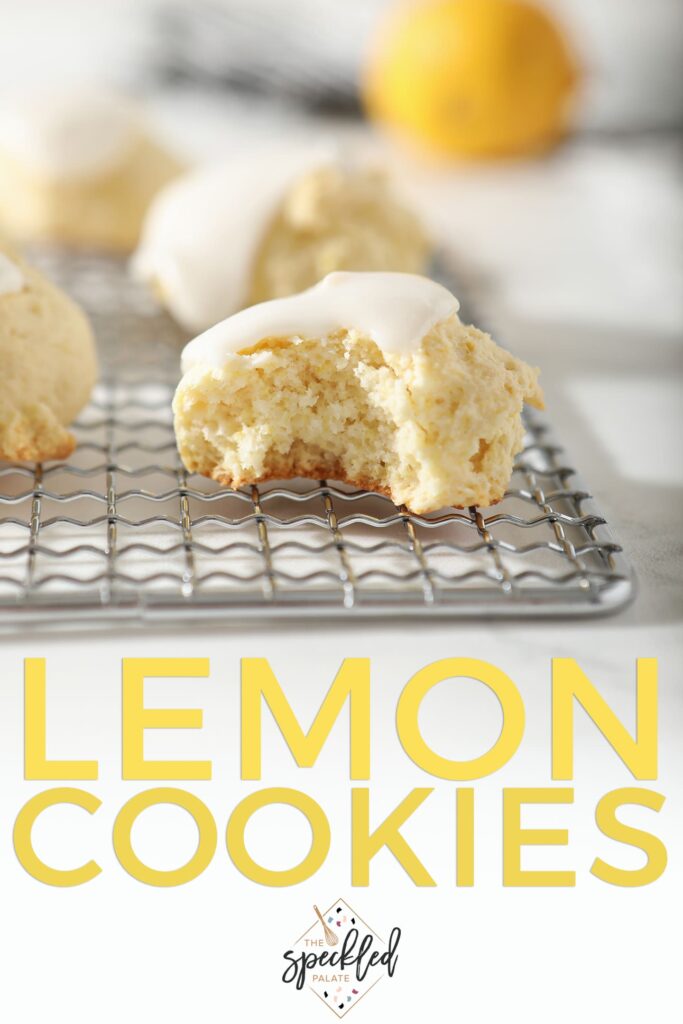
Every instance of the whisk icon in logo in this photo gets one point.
(331, 938)
(340, 957)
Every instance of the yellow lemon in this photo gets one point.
(474, 78)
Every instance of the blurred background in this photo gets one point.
(569, 206)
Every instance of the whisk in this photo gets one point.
(331, 938)
(305, 52)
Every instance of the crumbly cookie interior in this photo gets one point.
(430, 428)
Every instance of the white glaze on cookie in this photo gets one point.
(395, 310)
(202, 232)
(69, 136)
(11, 278)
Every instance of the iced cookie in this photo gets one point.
(47, 361)
(270, 225)
(367, 378)
(78, 169)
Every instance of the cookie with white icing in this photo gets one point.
(78, 169)
(367, 378)
(270, 224)
(47, 360)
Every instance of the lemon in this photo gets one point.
(471, 78)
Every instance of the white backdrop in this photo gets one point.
(632, 52)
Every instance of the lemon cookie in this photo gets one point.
(78, 169)
(257, 228)
(367, 378)
(47, 356)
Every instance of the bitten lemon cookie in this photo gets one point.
(256, 228)
(79, 169)
(47, 361)
(367, 378)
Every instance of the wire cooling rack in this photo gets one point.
(120, 534)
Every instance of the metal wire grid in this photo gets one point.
(121, 534)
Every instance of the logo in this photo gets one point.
(340, 958)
